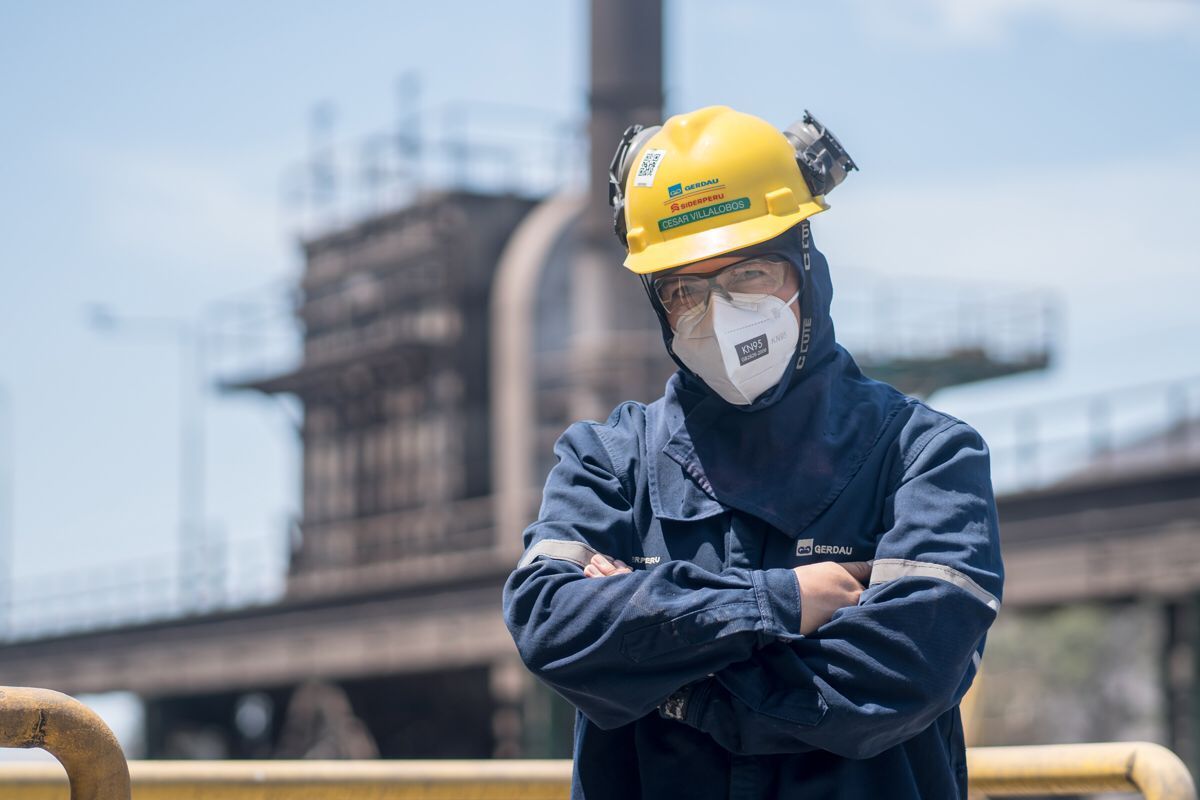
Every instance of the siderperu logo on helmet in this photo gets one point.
(697, 201)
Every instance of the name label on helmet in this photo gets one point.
(698, 214)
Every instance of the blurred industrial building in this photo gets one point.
(447, 341)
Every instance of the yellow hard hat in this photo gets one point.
(717, 180)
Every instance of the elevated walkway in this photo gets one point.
(925, 335)
(1100, 495)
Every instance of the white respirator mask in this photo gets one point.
(740, 344)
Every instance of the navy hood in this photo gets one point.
(816, 341)
(785, 457)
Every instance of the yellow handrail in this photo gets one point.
(1002, 771)
(1059, 769)
(317, 780)
(72, 733)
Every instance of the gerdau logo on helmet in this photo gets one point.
(711, 183)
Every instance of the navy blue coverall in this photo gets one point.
(690, 676)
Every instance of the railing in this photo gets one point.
(225, 576)
(236, 574)
(317, 780)
(1131, 429)
(882, 319)
(438, 527)
(495, 148)
(1067, 769)
(96, 768)
(1052, 770)
(72, 733)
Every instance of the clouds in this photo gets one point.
(990, 22)
(938, 24)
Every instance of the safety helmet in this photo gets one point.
(717, 180)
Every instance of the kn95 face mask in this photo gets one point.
(738, 344)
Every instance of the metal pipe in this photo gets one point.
(514, 414)
(1067, 769)
(1009, 771)
(72, 733)
(319, 780)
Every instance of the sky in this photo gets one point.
(1053, 144)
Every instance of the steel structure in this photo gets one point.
(395, 386)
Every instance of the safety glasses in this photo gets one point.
(757, 275)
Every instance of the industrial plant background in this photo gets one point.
(294, 303)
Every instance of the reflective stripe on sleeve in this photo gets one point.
(889, 569)
(560, 549)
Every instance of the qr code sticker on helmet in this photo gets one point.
(648, 168)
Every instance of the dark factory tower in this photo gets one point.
(395, 387)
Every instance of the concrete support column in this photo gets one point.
(509, 683)
(1181, 668)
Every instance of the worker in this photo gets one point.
(775, 580)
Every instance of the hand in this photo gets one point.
(827, 586)
(602, 567)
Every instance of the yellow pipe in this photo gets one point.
(1151, 769)
(971, 710)
(72, 733)
(1006, 771)
(317, 780)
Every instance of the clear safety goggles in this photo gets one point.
(760, 275)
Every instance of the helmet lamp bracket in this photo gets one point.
(822, 159)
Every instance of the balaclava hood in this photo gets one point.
(785, 457)
(816, 293)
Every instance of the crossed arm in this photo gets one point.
(824, 587)
(853, 681)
